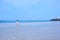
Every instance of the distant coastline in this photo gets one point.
(55, 19)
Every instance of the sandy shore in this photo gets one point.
(30, 31)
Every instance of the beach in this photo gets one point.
(30, 31)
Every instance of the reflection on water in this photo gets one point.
(30, 31)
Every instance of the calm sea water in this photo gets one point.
(30, 31)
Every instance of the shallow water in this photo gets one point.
(30, 31)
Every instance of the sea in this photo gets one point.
(30, 30)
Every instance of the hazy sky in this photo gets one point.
(29, 9)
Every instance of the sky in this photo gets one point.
(29, 9)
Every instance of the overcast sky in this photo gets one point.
(29, 9)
